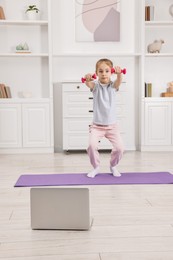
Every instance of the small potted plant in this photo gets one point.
(32, 12)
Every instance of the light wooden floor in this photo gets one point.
(131, 222)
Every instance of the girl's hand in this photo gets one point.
(89, 77)
(117, 70)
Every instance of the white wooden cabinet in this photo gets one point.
(24, 126)
(26, 73)
(73, 113)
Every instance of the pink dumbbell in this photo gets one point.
(122, 71)
(94, 76)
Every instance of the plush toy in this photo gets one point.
(155, 46)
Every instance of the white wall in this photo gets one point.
(63, 15)
(63, 32)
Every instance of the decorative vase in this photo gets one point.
(32, 15)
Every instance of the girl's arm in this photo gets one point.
(89, 81)
(118, 81)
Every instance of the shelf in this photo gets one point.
(23, 22)
(23, 54)
(156, 99)
(76, 54)
(159, 55)
(158, 23)
(23, 100)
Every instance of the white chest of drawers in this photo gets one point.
(73, 113)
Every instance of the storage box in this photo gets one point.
(167, 94)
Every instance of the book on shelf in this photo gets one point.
(149, 13)
(148, 89)
(5, 91)
(8, 91)
(2, 15)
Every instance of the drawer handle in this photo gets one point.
(78, 87)
(90, 98)
(90, 111)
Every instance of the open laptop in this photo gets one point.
(60, 208)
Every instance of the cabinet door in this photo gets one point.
(10, 126)
(158, 123)
(36, 125)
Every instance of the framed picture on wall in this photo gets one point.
(97, 20)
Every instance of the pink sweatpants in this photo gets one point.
(111, 132)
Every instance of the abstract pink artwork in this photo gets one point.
(97, 20)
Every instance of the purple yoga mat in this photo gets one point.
(65, 179)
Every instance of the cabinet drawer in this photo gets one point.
(82, 105)
(80, 142)
(75, 87)
(78, 111)
(106, 144)
(79, 87)
(80, 95)
(87, 111)
(73, 98)
(77, 125)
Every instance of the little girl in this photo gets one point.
(104, 115)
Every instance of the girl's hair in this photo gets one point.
(107, 61)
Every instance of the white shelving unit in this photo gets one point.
(26, 123)
(157, 111)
